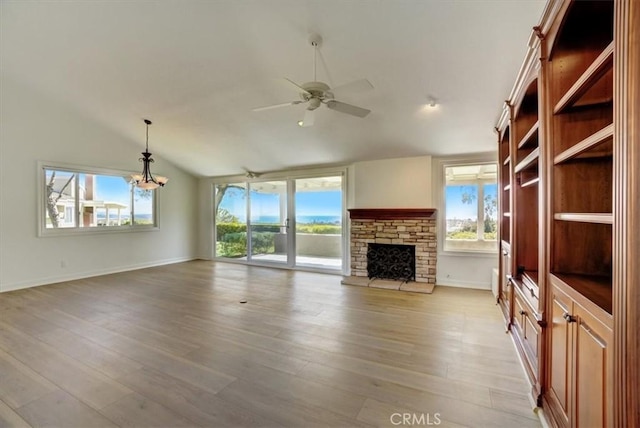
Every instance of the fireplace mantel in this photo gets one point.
(391, 213)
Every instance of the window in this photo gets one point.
(80, 199)
(471, 205)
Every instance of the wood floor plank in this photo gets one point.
(277, 361)
(136, 410)
(518, 404)
(200, 406)
(450, 411)
(467, 391)
(502, 382)
(386, 415)
(98, 357)
(286, 413)
(61, 409)
(287, 386)
(148, 336)
(89, 385)
(19, 384)
(10, 419)
(179, 367)
(173, 345)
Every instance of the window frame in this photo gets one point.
(293, 174)
(441, 183)
(77, 230)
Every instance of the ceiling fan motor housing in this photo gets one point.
(316, 92)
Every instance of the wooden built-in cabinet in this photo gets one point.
(569, 153)
(504, 202)
(580, 391)
(521, 153)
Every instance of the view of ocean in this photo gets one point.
(301, 219)
(114, 216)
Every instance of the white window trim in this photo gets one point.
(439, 182)
(43, 231)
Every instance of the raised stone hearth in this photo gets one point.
(399, 226)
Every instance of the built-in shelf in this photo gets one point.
(506, 214)
(603, 218)
(528, 138)
(588, 143)
(596, 70)
(507, 160)
(597, 289)
(528, 161)
(531, 182)
(507, 187)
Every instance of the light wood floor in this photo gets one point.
(173, 346)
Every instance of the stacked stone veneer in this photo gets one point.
(418, 231)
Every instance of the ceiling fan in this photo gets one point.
(317, 93)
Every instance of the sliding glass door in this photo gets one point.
(269, 224)
(293, 222)
(318, 214)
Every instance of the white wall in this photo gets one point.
(35, 128)
(391, 183)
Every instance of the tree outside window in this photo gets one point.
(471, 207)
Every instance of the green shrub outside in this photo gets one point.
(465, 234)
(232, 237)
(319, 229)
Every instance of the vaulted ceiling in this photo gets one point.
(198, 68)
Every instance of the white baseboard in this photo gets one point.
(88, 274)
(448, 282)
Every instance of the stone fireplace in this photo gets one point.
(399, 227)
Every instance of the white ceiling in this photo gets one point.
(198, 68)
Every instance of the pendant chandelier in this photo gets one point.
(146, 180)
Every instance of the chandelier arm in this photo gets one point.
(147, 181)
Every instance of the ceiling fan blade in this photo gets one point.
(347, 108)
(298, 87)
(278, 105)
(360, 85)
(309, 118)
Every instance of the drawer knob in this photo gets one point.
(523, 312)
(568, 317)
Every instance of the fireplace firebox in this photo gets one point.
(391, 261)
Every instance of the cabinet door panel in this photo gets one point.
(505, 289)
(593, 371)
(531, 335)
(560, 352)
